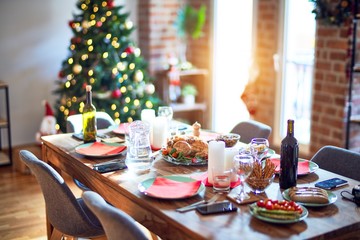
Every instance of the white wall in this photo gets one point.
(34, 40)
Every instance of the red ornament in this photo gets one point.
(75, 40)
(71, 24)
(98, 24)
(129, 50)
(61, 74)
(110, 3)
(116, 93)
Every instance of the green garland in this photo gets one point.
(325, 10)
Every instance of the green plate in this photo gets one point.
(331, 196)
(144, 185)
(85, 145)
(304, 214)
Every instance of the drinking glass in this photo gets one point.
(166, 111)
(243, 166)
(259, 147)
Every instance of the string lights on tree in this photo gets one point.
(102, 55)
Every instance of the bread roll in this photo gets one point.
(308, 195)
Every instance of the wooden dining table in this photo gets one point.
(120, 188)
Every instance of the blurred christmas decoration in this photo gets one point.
(103, 56)
(333, 14)
(48, 124)
(189, 24)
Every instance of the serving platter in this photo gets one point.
(186, 161)
(303, 215)
(331, 196)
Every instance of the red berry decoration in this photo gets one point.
(116, 93)
(129, 50)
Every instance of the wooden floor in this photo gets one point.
(22, 207)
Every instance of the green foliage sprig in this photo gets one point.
(190, 21)
(325, 10)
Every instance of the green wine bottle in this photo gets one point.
(89, 118)
(289, 158)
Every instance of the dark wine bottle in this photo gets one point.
(89, 118)
(289, 158)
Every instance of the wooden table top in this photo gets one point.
(120, 188)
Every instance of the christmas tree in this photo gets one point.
(102, 55)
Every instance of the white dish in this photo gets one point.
(331, 196)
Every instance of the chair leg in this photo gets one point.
(56, 235)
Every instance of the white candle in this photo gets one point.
(148, 115)
(160, 132)
(229, 157)
(216, 157)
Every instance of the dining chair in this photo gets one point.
(117, 224)
(250, 129)
(74, 122)
(66, 213)
(338, 160)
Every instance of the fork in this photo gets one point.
(200, 203)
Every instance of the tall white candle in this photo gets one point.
(229, 161)
(216, 157)
(160, 132)
(148, 115)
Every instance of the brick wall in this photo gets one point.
(158, 40)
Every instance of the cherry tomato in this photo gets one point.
(165, 152)
(269, 205)
(261, 203)
(175, 154)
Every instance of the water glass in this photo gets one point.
(221, 180)
(243, 166)
(139, 149)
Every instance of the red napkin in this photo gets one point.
(167, 188)
(303, 166)
(98, 148)
(204, 178)
(121, 129)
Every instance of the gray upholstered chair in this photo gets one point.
(338, 160)
(117, 224)
(74, 122)
(68, 215)
(250, 129)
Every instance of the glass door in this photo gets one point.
(297, 73)
(232, 36)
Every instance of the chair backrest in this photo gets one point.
(66, 213)
(117, 224)
(74, 122)
(250, 129)
(338, 160)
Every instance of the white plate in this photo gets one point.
(304, 214)
(331, 196)
(85, 145)
(144, 185)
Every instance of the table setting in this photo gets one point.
(175, 184)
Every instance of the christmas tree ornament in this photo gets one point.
(116, 93)
(129, 25)
(139, 76)
(85, 24)
(150, 88)
(137, 52)
(77, 68)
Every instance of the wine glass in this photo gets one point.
(259, 147)
(167, 112)
(243, 165)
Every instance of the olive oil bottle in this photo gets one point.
(289, 158)
(89, 118)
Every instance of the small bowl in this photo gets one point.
(258, 185)
(230, 139)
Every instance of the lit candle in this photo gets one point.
(160, 132)
(216, 157)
